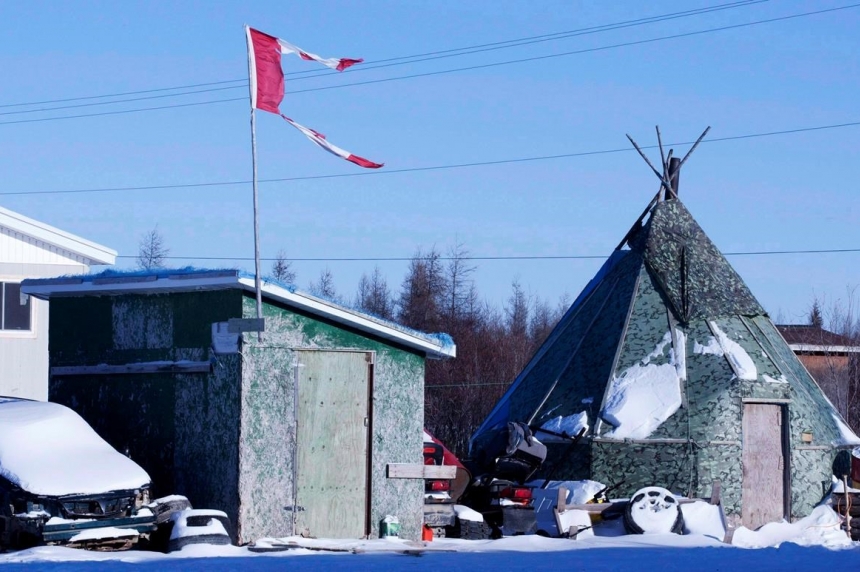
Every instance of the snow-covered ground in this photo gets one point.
(812, 543)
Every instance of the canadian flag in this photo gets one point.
(267, 78)
(267, 84)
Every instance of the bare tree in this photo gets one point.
(374, 296)
(324, 287)
(459, 288)
(838, 372)
(282, 269)
(152, 251)
(422, 293)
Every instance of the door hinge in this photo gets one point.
(367, 421)
(782, 463)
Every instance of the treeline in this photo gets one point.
(836, 371)
(440, 295)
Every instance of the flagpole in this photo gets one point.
(257, 282)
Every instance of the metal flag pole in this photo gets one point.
(251, 89)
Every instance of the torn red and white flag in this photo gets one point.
(266, 75)
(320, 140)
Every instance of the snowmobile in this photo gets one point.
(500, 493)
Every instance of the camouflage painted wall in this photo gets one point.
(224, 439)
(183, 429)
(268, 422)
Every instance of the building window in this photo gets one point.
(14, 308)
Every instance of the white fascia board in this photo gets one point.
(824, 349)
(353, 319)
(73, 286)
(95, 253)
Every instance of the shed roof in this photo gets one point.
(92, 252)
(809, 338)
(161, 281)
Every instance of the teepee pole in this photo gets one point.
(693, 148)
(641, 154)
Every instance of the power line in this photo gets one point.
(432, 167)
(174, 106)
(577, 52)
(468, 68)
(413, 58)
(82, 98)
(146, 97)
(456, 52)
(489, 258)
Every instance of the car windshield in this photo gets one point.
(48, 449)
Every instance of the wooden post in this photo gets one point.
(674, 174)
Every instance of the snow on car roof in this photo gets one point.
(48, 449)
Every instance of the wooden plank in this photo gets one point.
(419, 471)
(332, 436)
(132, 368)
(764, 466)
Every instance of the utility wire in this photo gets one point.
(425, 56)
(432, 167)
(456, 52)
(577, 52)
(82, 98)
(488, 258)
(468, 68)
(142, 98)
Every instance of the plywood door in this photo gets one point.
(764, 466)
(332, 437)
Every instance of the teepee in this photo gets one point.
(681, 378)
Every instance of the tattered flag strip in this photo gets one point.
(320, 140)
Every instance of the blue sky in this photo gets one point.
(785, 192)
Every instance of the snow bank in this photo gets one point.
(705, 519)
(49, 449)
(821, 528)
(644, 396)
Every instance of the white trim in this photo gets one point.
(94, 253)
(119, 284)
(351, 318)
(824, 348)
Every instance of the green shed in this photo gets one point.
(289, 431)
(681, 380)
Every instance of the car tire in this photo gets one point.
(644, 504)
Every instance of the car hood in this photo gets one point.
(48, 449)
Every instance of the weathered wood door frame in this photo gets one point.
(785, 445)
(369, 358)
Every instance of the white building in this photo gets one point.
(31, 249)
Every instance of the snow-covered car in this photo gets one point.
(60, 483)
